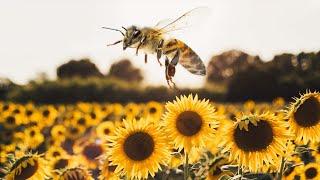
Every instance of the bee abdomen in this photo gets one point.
(188, 58)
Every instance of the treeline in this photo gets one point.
(248, 77)
(232, 76)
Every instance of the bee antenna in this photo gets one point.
(114, 30)
(124, 28)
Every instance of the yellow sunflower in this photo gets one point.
(59, 163)
(72, 173)
(55, 152)
(190, 122)
(311, 171)
(33, 136)
(29, 166)
(257, 141)
(107, 171)
(104, 130)
(153, 109)
(138, 149)
(11, 121)
(89, 152)
(293, 173)
(74, 132)
(49, 114)
(58, 132)
(304, 118)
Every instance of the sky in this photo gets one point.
(39, 35)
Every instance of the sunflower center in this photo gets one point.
(152, 110)
(93, 115)
(60, 164)
(311, 173)
(256, 138)
(16, 111)
(29, 112)
(11, 120)
(106, 131)
(56, 153)
(189, 123)
(27, 172)
(92, 151)
(32, 133)
(308, 113)
(82, 121)
(74, 130)
(46, 113)
(5, 107)
(139, 146)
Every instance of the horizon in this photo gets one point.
(38, 37)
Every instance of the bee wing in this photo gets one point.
(190, 18)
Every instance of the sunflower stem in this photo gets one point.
(279, 175)
(186, 167)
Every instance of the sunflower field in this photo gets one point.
(185, 138)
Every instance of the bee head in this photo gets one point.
(132, 36)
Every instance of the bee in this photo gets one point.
(153, 40)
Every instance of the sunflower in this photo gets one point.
(138, 149)
(33, 136)
(132, 110)
(74, 132)
(89, 152)
(49, 114)
(107, 171)
(84, 121)
(104, 130)
(74, 173)
(293, 173)
(59, 163)
(58, 132)
(304, 118)
(190, 122)
(256, 141)
(153, 109)
(29, 166)
(55, 152)
(311, 171)
(10, 121)
(117, 109)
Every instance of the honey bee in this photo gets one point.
(153, 40)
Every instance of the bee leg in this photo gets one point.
(159, 51)
(139, 45)
(175, 59)
(145, 58)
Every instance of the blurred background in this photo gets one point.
(55, 52)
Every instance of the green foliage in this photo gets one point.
(97, 90)
(81, 68)
(124, 70)
(285, 76)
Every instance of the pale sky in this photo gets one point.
(38, 35)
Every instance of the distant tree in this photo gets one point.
(82, 68)
(223, 67)
(6, 85)
(124, 70)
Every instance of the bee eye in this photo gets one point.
(136, 33)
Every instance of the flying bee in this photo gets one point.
(153, 40)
